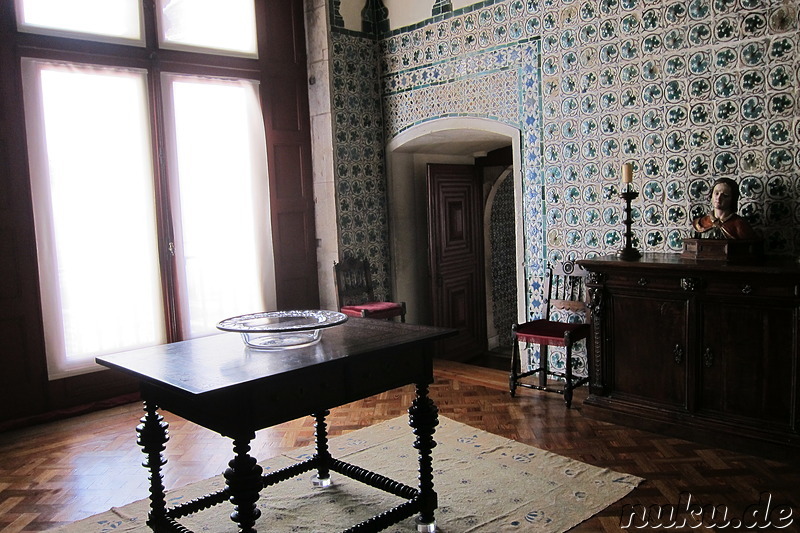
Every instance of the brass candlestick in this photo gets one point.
(629, 253)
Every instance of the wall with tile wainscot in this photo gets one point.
(686, 91)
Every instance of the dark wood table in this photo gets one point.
(222, 385)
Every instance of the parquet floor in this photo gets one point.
(59, 472)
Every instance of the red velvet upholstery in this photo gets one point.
(374, 310)
(354, 284)
(551, 333)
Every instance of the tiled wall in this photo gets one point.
(425, 77)
(503, 263)
(687, 91)
(359, 155)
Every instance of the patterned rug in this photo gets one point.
(485, 483)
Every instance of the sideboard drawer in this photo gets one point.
(753, 288)
(644, 281)
(758, 287)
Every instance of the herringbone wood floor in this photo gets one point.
(59, 472)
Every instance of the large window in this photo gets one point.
(149, 184)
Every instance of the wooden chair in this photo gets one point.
(564, 292)
(354, 292)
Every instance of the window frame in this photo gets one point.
(284, 73)
(155, 61)
(74, 34)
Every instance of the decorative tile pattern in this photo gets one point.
(374, 17)
(685, 90)
(468, 96)
(502, 237)
(441, 6)
(499, 80)
(359, 157)
(426, 77)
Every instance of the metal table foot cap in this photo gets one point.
(425, 527)
(321, 482)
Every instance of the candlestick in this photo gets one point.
(628, 253)
(627, 175)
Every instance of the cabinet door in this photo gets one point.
(650, 345)
(746, 362)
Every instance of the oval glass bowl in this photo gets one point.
(274, 330)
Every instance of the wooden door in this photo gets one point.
(455, 258)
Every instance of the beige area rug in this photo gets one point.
(485, 483)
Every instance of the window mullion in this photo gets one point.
(166, 235)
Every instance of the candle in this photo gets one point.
(627, 173)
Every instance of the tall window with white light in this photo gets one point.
(215, 150)
(150, 187)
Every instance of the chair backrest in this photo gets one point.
(353, 281)
(565, 288)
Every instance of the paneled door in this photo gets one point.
(455, 258)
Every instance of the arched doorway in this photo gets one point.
(457, 140)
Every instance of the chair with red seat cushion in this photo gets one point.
(355, 295)
(564, 293)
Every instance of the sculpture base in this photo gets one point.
(722, 249)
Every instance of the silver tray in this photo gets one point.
(282, 329)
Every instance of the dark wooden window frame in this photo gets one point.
(282, 73)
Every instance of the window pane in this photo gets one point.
(206, 24)
(223, 234)
(92, 182)
(114, 19)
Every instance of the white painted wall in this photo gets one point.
(350, 11)
(319, 101)
(407, 12)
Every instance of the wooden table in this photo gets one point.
(224, 386)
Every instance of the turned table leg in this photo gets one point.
(423, 418)
(244, 481)
(153, 436)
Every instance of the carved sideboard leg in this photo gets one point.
(244, 481)
(597, 347)
(323, 477)
(423, 418)
(153, 436)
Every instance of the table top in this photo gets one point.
(217, 362)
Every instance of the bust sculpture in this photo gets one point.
(723, 222)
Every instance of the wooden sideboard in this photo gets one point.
(698, 349)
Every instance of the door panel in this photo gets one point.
(745, 368)
(455, 258)
(650, 349)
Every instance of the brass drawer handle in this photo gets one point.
(708, 358)
(747, 289)
(678, 353)
(642, 282)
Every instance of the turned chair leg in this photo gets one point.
(568, 372)
(544, 364)
(512, 379)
